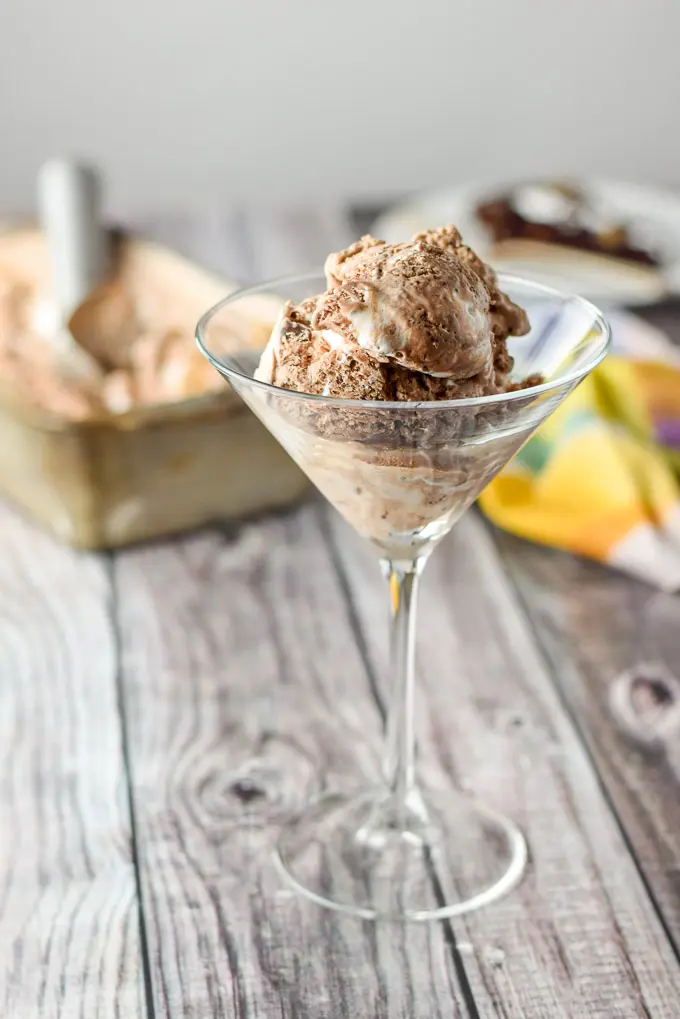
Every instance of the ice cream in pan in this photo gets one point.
(414, 322)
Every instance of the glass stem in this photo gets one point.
(399, 761)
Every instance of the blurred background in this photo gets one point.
(252, 138)
(218, 102)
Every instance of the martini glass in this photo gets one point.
(402, 474)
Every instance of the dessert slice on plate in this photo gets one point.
(615, 243)
(562, 227)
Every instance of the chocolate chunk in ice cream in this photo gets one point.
(423, 320)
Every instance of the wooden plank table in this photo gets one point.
(163, 708)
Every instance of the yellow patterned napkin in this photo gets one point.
(600, 477)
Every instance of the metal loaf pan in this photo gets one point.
(154, 470)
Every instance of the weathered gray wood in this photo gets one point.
(613, 646)
(245, 692)
(579, 937)
(69, 922)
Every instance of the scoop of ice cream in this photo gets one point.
(418, 306)
(368, 257)
(107, 324)
(409, 385)
(423, 320)
(372, 259)
(305, 359)
(301, 358)
(507, 318)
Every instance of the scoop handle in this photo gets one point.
(69, 198)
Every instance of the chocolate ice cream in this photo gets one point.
(423, 320)
(408, 323)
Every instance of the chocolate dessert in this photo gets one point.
(409, 323)
(559, 214)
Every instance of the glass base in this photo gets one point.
(438, 855)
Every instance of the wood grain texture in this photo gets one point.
(69, 923)
(579, 937)
(613, 646)
(245, 692)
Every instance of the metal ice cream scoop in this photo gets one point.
(69, 199)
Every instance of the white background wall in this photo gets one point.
(208, 102)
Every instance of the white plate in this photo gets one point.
(652, 217)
